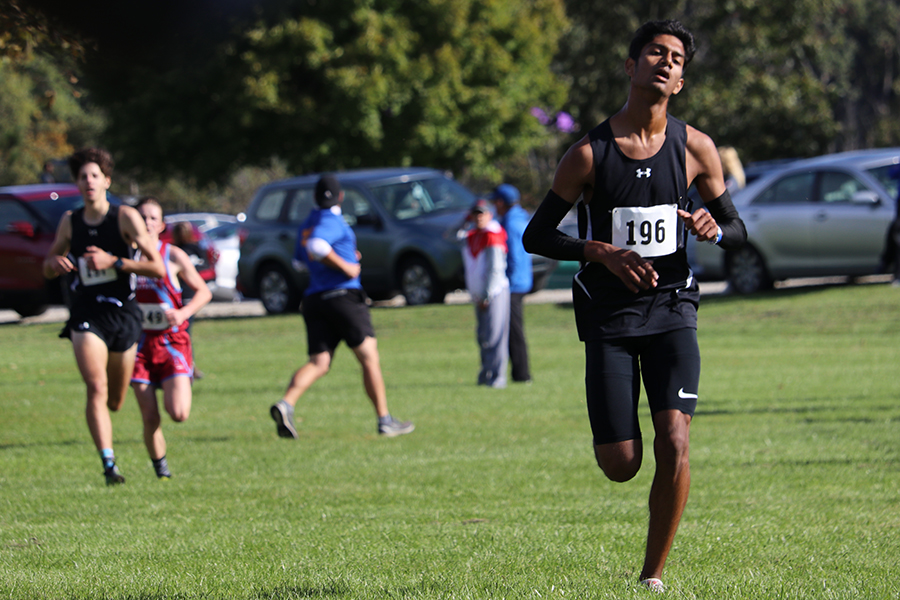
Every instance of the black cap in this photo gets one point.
(480, 206)
(328, 190)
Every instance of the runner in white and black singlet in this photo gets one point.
(635, 296)
(96, 242)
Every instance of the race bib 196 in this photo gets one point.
(650, 230)
(91, 276)
(154, 317)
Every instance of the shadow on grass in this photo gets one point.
(829, 462)
(811, 408)
(121, 442)
(60, 444)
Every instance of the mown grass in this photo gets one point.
(795, 464)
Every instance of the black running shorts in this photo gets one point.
(336, 315)
(118, 324)
(669, 365)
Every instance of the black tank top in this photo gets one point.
(605, 308)
(109, 284)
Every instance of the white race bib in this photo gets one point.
(650, 231)
(154, 317)
(91, 276)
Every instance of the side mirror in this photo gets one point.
(865, 197)
(23, 228)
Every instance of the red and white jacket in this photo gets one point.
(484, 257)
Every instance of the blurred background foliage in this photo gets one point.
(203, 101)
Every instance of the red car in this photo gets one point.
(29, 215)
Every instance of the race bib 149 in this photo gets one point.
(154, 317)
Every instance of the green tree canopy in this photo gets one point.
(42, 109)
(342, 84)
(772, 78)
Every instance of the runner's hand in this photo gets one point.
(60, 264)
(352, 270)
(98, 259)
(175, 317)
(636, 273)
(701, 224)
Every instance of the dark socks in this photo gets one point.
(161, 467)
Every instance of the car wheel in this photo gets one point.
(747, 271)
(30, 310)
(419, 284)
(276, 291)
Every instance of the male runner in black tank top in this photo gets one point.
(96, 242)
(635, 297)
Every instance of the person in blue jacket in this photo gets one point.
(514, 219)
(334, 309)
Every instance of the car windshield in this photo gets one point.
(882, 174)
(411, 199)
(220, 232)
(53, 209)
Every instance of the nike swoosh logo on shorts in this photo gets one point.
(683, 394)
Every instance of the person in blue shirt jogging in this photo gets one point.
(334, 309)
(514, 219)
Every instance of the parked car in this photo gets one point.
(755, 170)
(406, 222)
(225, 240)
(203, 220)
(825, 216)
(29, 216)
(200, 249)
(218, 232)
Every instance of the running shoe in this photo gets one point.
(112, 475)
(283, 415)
(654, 585)
(393, 428)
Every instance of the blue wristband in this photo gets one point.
(718, 236)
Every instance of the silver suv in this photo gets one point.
(406, 222)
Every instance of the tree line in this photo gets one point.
(488, 89)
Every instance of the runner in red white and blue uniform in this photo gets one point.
(164, 357)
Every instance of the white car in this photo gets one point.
(825, 216)
(224, 238)
(203, 221)
(221, 229)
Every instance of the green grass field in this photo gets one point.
(795, 464)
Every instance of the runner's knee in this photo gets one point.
(620, 462)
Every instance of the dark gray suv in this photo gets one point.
(406, 222)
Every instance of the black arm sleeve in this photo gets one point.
(543, 237)
(722, 209)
